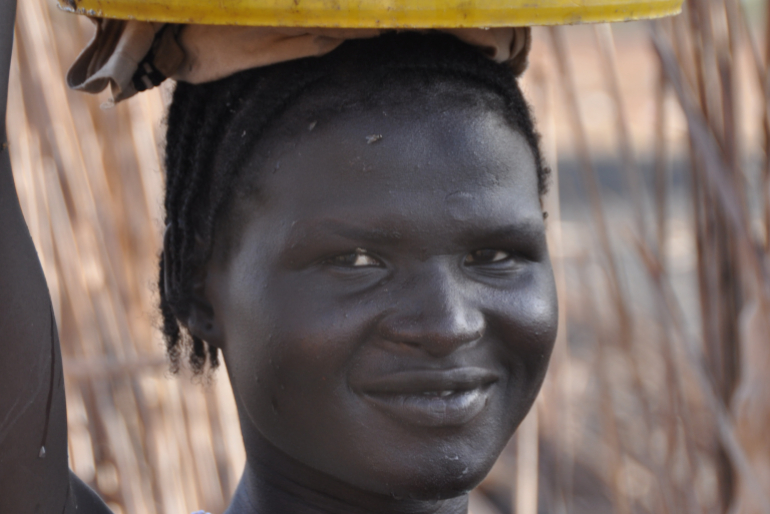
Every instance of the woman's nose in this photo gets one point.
(434, 313)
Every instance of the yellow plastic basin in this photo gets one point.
(377, 13)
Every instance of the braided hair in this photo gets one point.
(213, 128)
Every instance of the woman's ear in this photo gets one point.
(202, 321)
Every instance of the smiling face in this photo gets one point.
(387, 307)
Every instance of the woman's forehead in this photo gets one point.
(396, 97)
(376, 153)
(442, 173)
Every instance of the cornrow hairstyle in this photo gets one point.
(214, 127)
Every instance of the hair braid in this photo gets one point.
(192, 222)
(183, 110)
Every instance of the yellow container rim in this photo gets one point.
(395, 14)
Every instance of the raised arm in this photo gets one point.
(34, 475)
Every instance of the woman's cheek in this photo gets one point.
(317, 334)
(528, 321)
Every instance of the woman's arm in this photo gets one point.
(34, 475)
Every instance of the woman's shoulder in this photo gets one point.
(86, 501)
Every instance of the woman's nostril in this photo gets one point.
(432, 338)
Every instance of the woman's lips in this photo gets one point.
(432, 398)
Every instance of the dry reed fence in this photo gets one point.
(658, 399)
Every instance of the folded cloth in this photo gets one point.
(132, 56)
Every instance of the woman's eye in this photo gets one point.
(357, 259)
(480, 257)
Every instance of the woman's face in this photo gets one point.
(388, 309)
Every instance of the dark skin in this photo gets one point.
(386, 310)
(27, 483)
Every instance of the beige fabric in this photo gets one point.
(202, 53)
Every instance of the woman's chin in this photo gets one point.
(439, 490)
(438, 482)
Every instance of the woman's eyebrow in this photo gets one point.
(306, 232)
(524, 228)
(303, 232)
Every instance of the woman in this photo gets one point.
(361, 236)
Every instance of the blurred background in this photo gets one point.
(658, 397)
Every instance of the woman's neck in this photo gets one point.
(274, 483)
